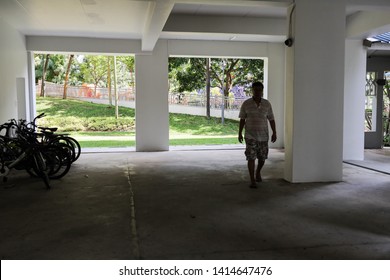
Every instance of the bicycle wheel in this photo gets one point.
(59, 159)
(71, 142)
(76, 146)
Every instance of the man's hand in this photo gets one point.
(273, 138)
(240, 138)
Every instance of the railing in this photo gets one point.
(199, 100)
(85, 91)
(128, 94)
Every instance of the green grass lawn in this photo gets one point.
(94, 125)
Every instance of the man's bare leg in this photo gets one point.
(251, 169)
(258, 170)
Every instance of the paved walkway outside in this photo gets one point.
(375, 159)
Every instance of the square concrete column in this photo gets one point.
(151, 102)
(315, 92)
(354, 99)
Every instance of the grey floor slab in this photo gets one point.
(192, 204)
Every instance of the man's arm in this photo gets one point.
(242, 124)
(273, 127)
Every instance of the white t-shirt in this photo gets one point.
(256, 118)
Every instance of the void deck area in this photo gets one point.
(193, 203)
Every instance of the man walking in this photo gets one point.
(255, 113)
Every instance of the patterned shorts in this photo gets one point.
(256, 149)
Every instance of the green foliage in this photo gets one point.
(204, 141)
(189, 74)
(105, 143)
(199, 125)
(56, 69)
(125, 71)
(75, 115)
(85, 69)
(95, 69)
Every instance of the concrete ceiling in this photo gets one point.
(149, 21)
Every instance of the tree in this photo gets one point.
(67, 75)
(46, 63)
(53, 67)
(94, 68)
(188, 74)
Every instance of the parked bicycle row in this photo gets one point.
(41, 151)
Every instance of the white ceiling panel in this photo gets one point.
(145, 19)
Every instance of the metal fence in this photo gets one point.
(199, 100)
(85, 91)
(128, 94)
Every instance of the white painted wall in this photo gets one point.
(13, 70)
(315, 104)
(354, 100)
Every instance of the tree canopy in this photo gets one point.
(189, 74)
(91, 69)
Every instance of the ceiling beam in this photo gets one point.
(158, 13)
(226, 25)
(366, 24)
(250, 3)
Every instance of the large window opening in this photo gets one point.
(205, 95)
(92, 97)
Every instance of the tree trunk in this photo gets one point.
(115, 91)
(226, 91)
(109, 80)
(65, 95)
(208, 86)
(44, 75)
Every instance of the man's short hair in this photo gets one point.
(257, 84)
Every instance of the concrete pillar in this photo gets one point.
(275, 88)
(315, 92)
(354, 100)
(151, 103)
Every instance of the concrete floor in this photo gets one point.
(192, 204)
